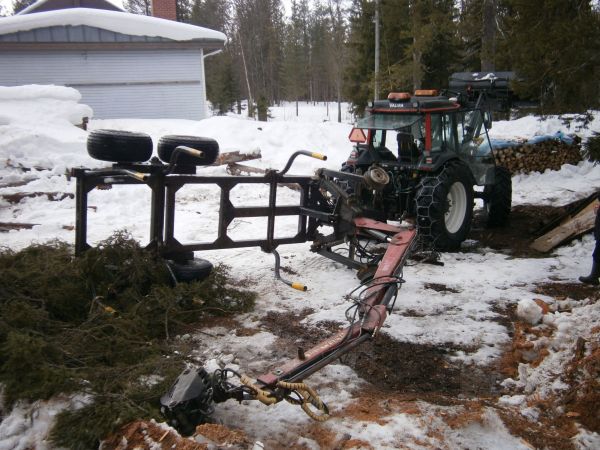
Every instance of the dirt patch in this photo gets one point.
(561, 291)
(373, 405)
(230, 323)
(222, 435)
(391, 365)
(366, 409)
(320, 434)
(548, 432)
(144, 435)
(288, 327)
(472, 413)
(527, 223)
(559, 413)
(355, 444)
(439, 287)
(583, 375)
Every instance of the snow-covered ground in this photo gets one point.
(38, 143)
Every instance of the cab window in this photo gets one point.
(378, 139)
(443, 132)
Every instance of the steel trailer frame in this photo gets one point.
(314, 209)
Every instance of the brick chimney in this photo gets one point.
(165, 9)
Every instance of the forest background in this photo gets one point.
(324, 50)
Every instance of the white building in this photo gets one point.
(124, 65)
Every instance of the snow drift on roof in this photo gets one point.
(119, 22)
(35, 5)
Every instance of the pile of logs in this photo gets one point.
(537, 157)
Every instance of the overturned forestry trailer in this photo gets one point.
(443, 150)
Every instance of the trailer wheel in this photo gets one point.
(168, 144)
(193, 270)
(444, 206)
(119, 146)
(498, 198)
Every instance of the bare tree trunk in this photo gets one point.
(250, 103)
(488, 36)
(417, 73)
(418, 44)
(339, 103)
(376, 88)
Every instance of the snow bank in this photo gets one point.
(530, 127)
(37, 92)
(27, 426)
(36, 128)
(557, 187)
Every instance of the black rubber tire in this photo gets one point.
(119, 146)
(208, 146)
(498, 198)
(193, 270)
(432, 203)
(180, 257)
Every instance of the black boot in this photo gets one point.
(592, 278)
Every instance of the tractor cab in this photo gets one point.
(422, 132)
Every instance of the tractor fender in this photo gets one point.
(443, 160)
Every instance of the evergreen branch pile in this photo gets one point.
(591, 148)
(99, 325)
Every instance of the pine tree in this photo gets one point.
(419, 47)
(20, 5)
(358, 78)
(483, 35)
(221, 77)
(338, 49)
(259, 26)
(294, 73)
(143, 7)
(555, 48)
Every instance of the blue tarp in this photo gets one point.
(558, 136)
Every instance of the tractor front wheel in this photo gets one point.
(444, 206)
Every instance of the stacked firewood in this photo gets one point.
(537, 157)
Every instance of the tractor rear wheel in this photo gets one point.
(444, 206)
(119, 146)
(498, 198)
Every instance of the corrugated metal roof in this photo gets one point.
(117, 22)
(50, 5)
(81, 33)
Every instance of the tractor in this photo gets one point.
(422, 155)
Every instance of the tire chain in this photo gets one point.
(426, 238)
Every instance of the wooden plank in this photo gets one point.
(8, 226)
(240, 169)
(52, 196)
(568, 229)
(235, 157)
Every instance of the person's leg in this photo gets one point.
(594, 276)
